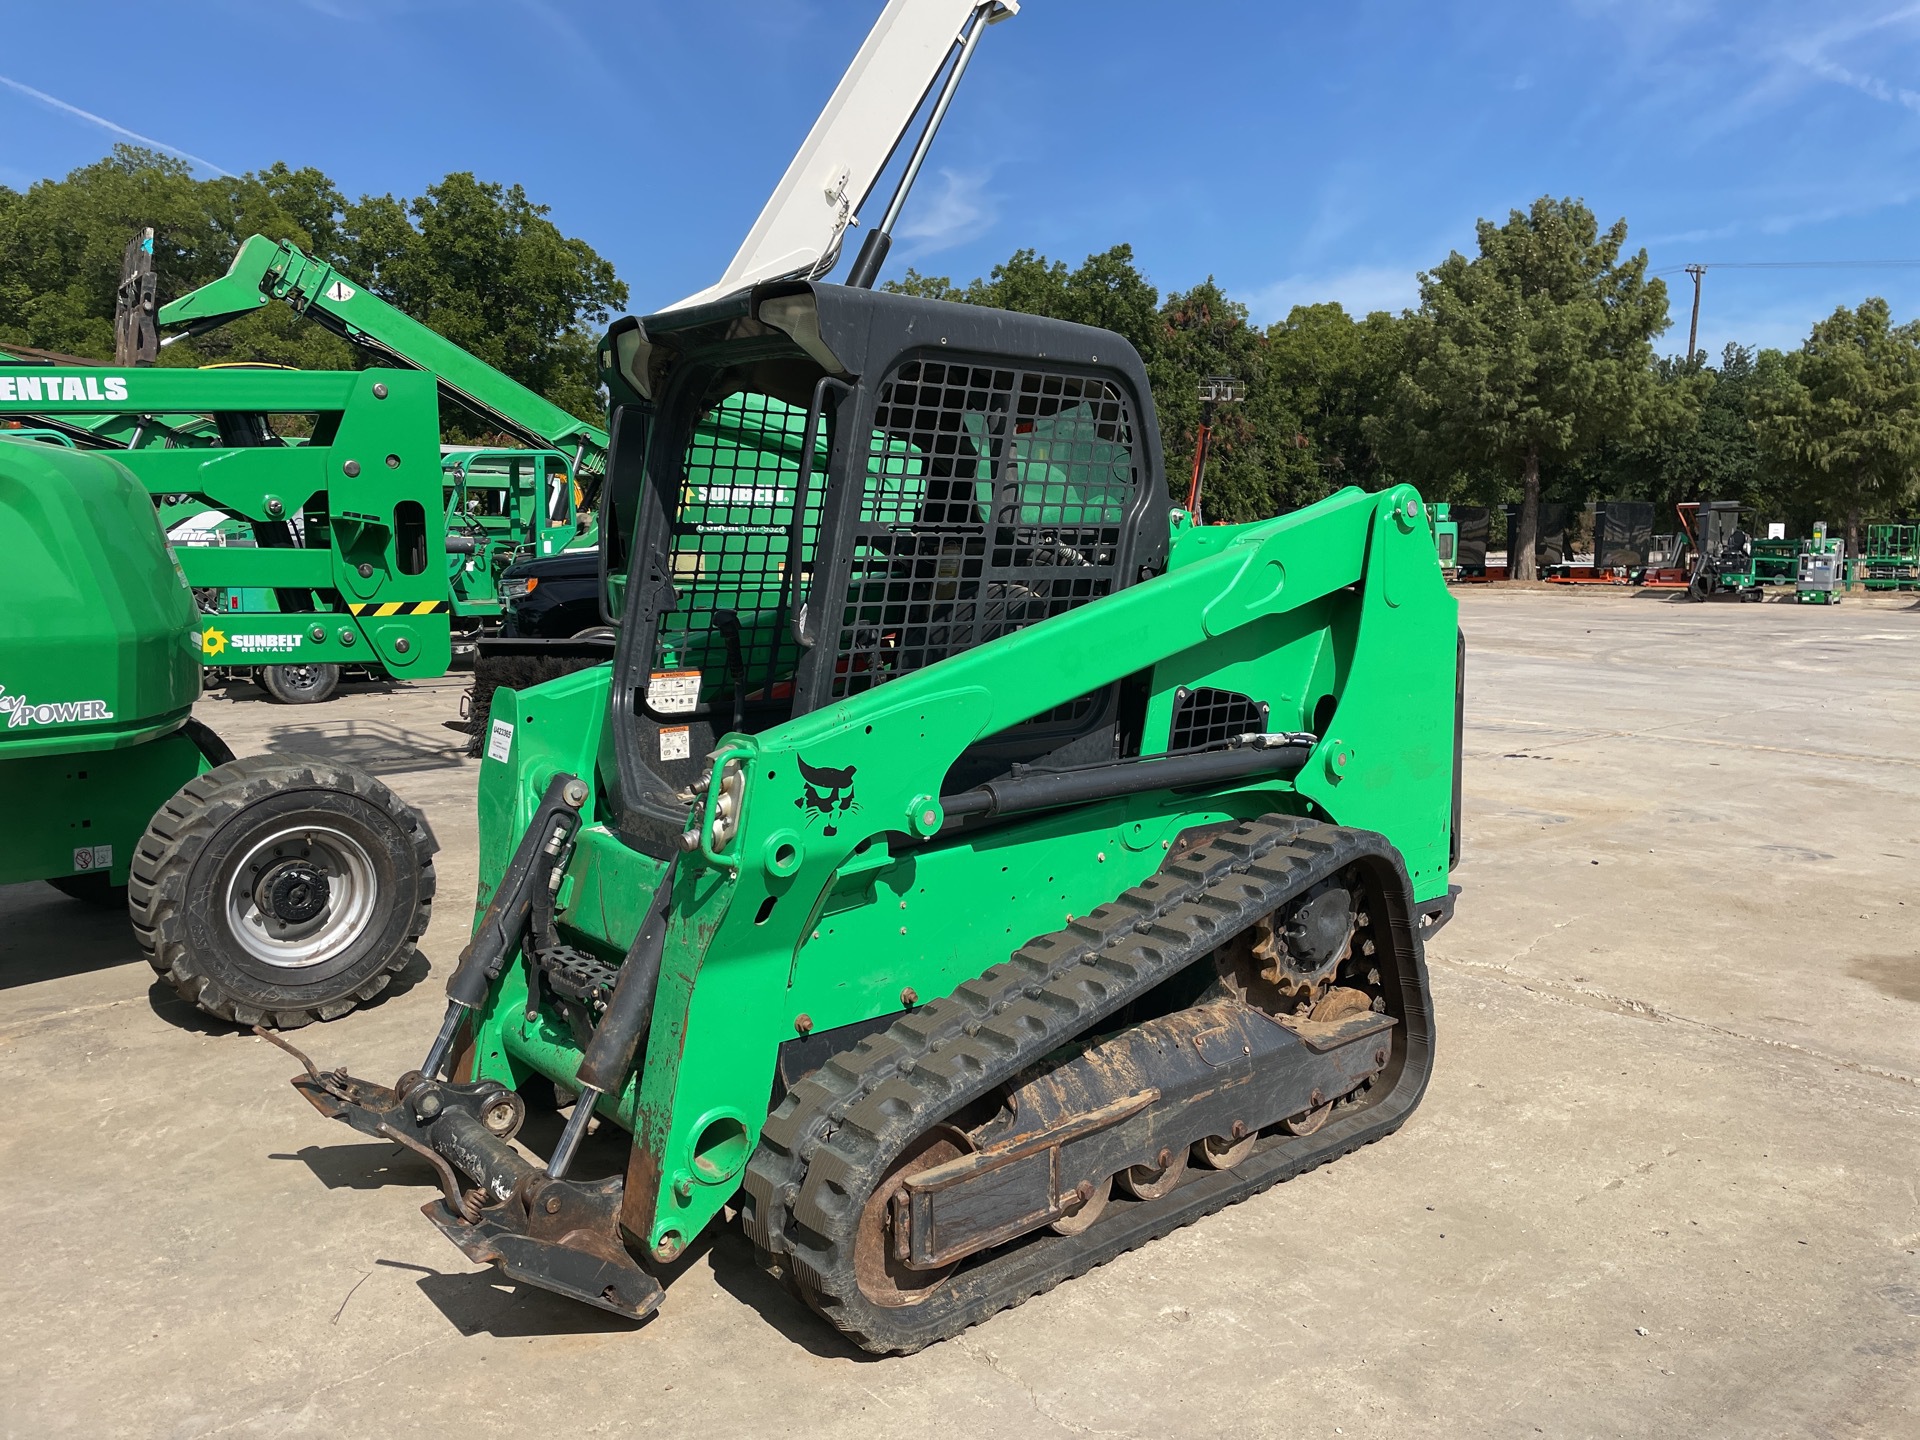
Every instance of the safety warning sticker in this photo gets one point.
(673, 692)
(676, 742)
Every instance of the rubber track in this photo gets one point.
(189, 820)
(831, 1140)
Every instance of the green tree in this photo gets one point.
(1334, 374)
(1308, 380)
(483, 265)
(1841, 415)
(480, 263)
(1530, 354)
(1699, 441)
(1204, 332)
(61, 243)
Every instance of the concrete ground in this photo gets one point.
(1663, 1183)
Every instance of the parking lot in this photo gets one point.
(1664, 1182)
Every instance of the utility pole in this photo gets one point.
(1693, 330)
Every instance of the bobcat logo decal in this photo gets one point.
(829, 793)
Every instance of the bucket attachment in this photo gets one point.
(561, 1235)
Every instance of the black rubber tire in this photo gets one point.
(300, 684)
(96, 889)
(181, 882)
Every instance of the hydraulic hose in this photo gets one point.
(1247, 757)
(505, 919)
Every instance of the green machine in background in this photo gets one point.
(265, 271)
(1729, 560)
(961, 868)
(1890, 559)
(104, 430)
(1723, 556)
(503, 505)
(334, 478)
(44, 436)
(1776, 561)
(1821, 575)
(272, 889)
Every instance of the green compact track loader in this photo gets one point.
(966, 869)
(269, 889)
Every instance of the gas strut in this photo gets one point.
(609, 1054)
(532, 870)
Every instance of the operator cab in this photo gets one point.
(814, 489)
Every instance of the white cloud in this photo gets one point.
(1360, 289)
(105, 124)
(1812, 52)
(961, 210)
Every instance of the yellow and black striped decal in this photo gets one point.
(402, 607)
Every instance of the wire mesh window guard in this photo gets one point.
(995, 497)
(731, 530)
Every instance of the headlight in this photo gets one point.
(518, 589)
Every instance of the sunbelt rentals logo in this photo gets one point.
(101, 388)
(21, 711)
(214, 643)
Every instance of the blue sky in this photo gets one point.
(1297, 151)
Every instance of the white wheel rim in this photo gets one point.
(352, 891)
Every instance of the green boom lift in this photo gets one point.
(485, 537)
(110, 431)
(266, 270)
(270, 889)
(967, 868)
(346, 562)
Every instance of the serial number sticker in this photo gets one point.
(673, 692)
(676, 742)
(500, 741)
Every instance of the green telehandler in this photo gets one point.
(270, 890)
